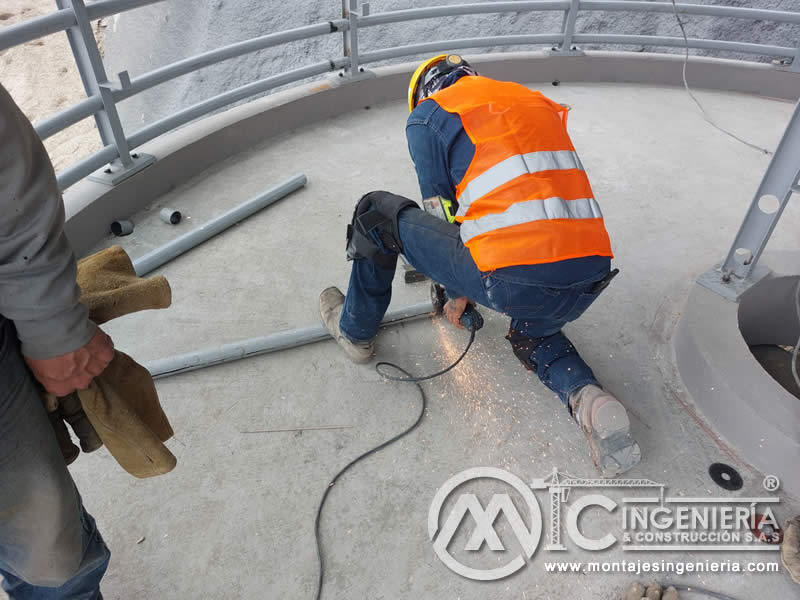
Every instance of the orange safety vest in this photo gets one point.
(525, 198)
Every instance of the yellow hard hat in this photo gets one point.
(431, 70)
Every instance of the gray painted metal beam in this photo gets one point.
(246, 91)
(199, 359)
(657, 40)
(482, 42)
(411, 14)
(32, 29)
(93, 76)
(62, 19)
(74, 173)
(768, 204)
(706, 10)
(105, 8)
(154, 259)
(69, 116)
(212, 57)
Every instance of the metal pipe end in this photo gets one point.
(170, 216)
(121, 227)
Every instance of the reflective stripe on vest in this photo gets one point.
(525, 198)
(513, 167)
(531, 210)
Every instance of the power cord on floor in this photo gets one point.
(707, 118)
(797, 346)
(424, 404)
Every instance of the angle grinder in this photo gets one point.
(471, 319)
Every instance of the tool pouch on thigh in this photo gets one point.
(523, 347)
(376, 213)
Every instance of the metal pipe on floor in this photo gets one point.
(199, 359)
(155, 258)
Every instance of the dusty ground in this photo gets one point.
(43, 79)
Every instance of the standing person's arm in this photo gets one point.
(38, 290)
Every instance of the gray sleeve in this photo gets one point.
(37, 266)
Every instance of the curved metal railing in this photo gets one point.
(118, 156)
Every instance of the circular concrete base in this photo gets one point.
(738, 397)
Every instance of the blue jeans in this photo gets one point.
(540, 299)
(50, 548)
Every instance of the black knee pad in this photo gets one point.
(378, 212)
(523, 347)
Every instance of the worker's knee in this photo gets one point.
(524, 348)
(43, 542)
(373, 232)
(50, 569)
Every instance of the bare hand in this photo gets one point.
(64, 374)
(454, 308)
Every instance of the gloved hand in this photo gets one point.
(636, 591)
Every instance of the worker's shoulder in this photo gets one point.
(429, 115)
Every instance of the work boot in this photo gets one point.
(331, 302)
(790, 548)
(606, 426)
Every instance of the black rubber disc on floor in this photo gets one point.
(725, 476)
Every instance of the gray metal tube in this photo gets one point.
(82, 168)
(734, 12)
(211, 57)
(170, 216)
(656, 40)
(104, 8)
(199, 359)
(69, 116)
(450, 10)
(499, 40)
(121, 227)
(31, 29)
(159, 256)
(251, 89)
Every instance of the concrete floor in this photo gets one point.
(235, 518)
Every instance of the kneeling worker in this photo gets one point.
(521, 234)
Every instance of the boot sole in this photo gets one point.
(613, 447)
(331, 323)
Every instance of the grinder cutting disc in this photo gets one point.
(725, 476)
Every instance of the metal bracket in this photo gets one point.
(566, 47)
(772, 196)
(794, 63)
(345, 76)
(730, 286)
(573, 51)
(115, 172)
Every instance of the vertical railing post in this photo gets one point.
(95, 83)
(568, 27)
(352, 33)
(352, 12)
(794, 66)
(739, 270)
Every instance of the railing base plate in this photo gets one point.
(115, 172)
(735, 287)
